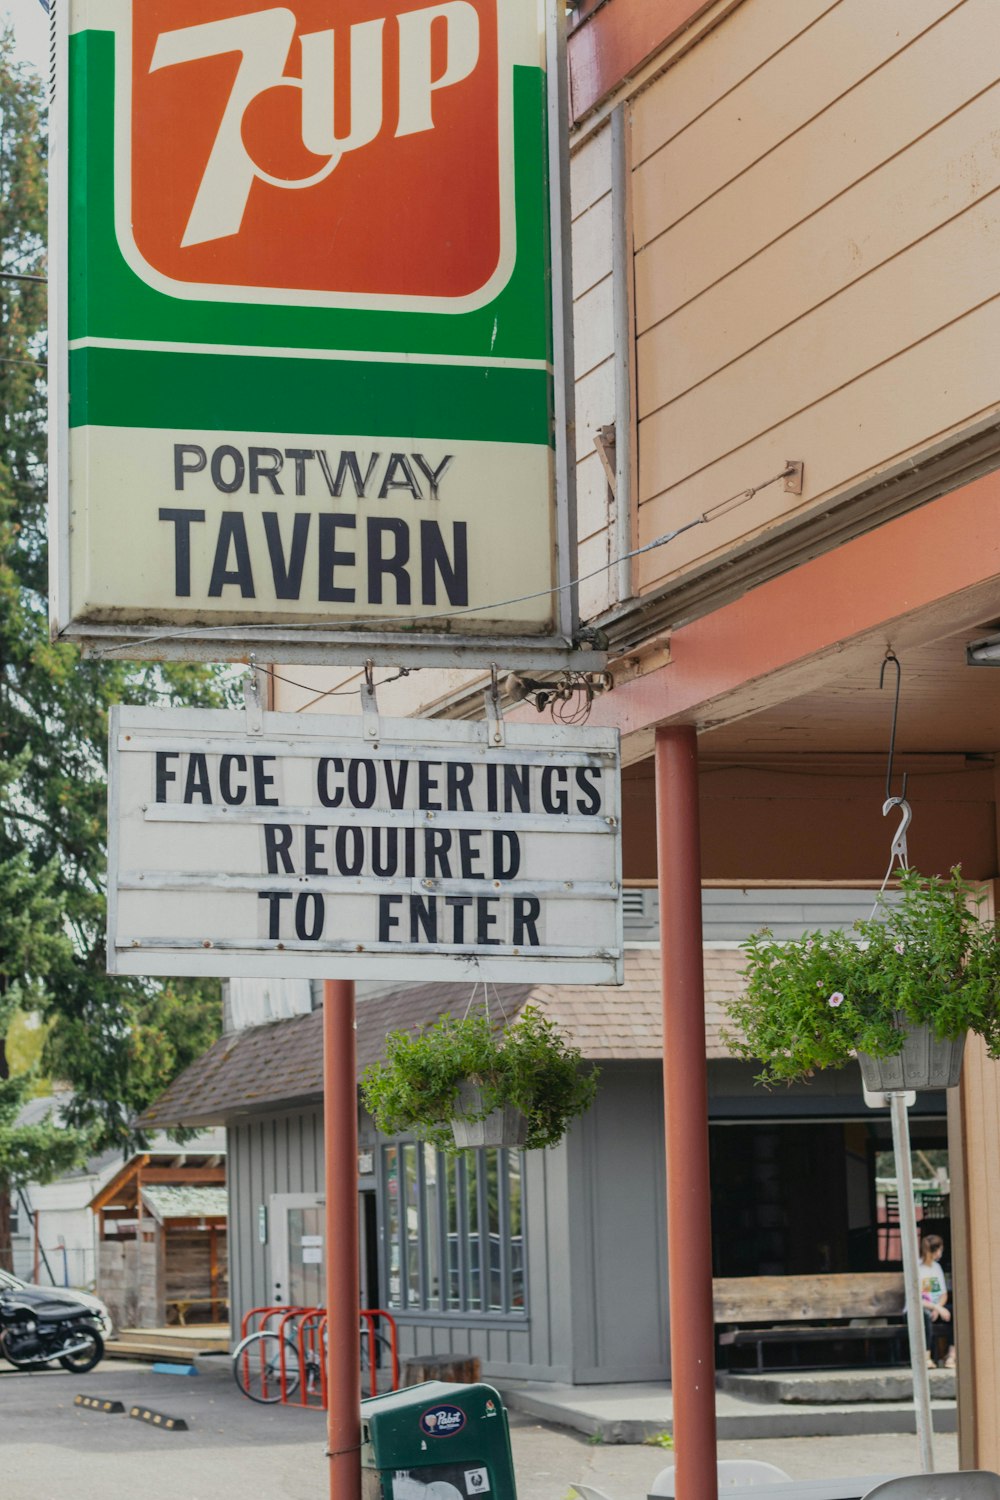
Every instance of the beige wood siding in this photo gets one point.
(817, 226)
(594, 338)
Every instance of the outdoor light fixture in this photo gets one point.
(984, 653)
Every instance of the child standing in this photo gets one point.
(934, 1295)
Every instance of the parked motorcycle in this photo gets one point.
(34, 1334)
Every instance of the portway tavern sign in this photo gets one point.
(309, 347)
(379, 848)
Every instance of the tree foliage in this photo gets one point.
(116, 1041)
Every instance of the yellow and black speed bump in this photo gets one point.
(158, 1419)
(98, 1403)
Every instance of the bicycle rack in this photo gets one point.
(311, 1346)
(371, 1315)
(305, 1328)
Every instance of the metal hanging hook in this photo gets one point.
(890, 656)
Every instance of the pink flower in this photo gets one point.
(899, 947)
(819, 984)
(836, 999)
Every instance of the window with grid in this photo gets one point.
(454, 1230)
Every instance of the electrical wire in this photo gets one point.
(474, 609)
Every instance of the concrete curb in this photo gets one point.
(754, 1420)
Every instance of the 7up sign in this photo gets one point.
(309, 376)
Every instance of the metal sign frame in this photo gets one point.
(139, 812)
(448, 639)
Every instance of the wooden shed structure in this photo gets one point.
(162, 1241)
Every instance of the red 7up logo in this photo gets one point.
(354, 152)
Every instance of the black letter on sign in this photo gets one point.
(232, 795)
(588, 780)
(181, 468)
(183, 520)
(330, 559)
(526, 913)
(287, 572)
(386, 919)
(303, 932)
(554, 801)
(378, 564)
(485, 919)
(326, 796)
(163, 775)
(261, 781)
(232, 533)
(399, 464)
(239, 469)
(423, 919)
(434, 556)
(277, 842)
(197, 783)
(433, 476)
(270, 471)
(275, 899)
(506, 866)
(459, 773)
(300, 457)
(349, 468)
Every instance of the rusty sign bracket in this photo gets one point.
(495, 732)
(252, 698)
(369, 704)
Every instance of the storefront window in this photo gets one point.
(456, 1225)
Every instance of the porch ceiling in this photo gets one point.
(944, 706)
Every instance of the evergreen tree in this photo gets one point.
(117, 1042)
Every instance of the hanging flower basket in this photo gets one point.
(504, 1126)
(900, 992)
(927, 1061)
(465, 1083)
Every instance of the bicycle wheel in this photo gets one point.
(257, 1366)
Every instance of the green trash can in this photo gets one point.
(436, 1442)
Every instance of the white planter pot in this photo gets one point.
(925, 1062)
(506, 1126)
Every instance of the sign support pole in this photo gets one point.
(340, 1145)
(911, 1277)
(685, 1087)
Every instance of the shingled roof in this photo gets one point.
(281, 1064)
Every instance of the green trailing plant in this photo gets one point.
(927, 957)
(528, 1064)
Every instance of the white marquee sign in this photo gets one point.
(362, 848)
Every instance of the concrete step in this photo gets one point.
(642, 1412)
(833, 1387)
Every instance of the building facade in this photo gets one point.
(786, 286)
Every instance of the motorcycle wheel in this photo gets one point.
(84, 1359)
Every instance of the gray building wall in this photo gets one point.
(617, 1219)
(594, 1240)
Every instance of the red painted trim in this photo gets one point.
(685, 1096)
(608, 46)
(925, 558)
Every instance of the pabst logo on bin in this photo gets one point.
(349, 152)
(442, 1421)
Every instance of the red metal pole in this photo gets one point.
(340, 1140)
(685, 1089)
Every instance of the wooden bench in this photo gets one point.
(179, 1307)
(863, 1307)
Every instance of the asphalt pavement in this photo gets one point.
(51, 1449)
